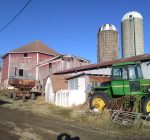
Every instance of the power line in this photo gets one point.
(15, 16)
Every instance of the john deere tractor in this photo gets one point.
(127, 90)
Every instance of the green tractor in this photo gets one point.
(127, 90)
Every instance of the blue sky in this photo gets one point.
(67, 26)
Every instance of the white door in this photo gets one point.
(81, 83)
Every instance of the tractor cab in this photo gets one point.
(126, 78)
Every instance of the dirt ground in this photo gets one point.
(37, 120)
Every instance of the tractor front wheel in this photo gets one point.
(98, 101)
(146, 106)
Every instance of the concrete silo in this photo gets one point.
(107, 48)
(132, 34)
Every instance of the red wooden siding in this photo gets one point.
(44, 57)
(25, 66)
(44, 72)
(58, 65)
(5, 68)
(28, 64)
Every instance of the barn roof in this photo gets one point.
(87, 74)
(36, 46)
(61, 56)
(144, 57)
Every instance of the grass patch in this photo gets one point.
(80, 115)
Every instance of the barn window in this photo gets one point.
(25, 55)
(50, 65)
(20, 72)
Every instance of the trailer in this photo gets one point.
(22, 89)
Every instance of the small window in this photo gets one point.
(25, 55)
(135, 72)
(125, 73)
(20, 72)
(50, 65)
(117, 73)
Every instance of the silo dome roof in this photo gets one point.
(108, 27)
(132, 14)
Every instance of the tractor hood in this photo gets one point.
(103, 87)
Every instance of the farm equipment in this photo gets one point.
(23, 88)
(127, 91)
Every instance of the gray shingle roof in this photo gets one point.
(36, 46)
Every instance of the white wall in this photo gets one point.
(79, 83)
(68, 98)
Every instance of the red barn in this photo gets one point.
(22, 63)
(36, 61)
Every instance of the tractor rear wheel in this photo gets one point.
(98, 101)
(146, 106)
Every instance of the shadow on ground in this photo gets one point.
(4, 102)
(65, 136)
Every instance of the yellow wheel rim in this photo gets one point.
(98, 103)
(148, 108)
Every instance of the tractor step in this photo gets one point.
(125, 118)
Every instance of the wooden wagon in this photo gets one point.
(24, 88)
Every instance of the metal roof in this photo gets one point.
(107, 27)
(144, 57)
(86, 74)
(132, 14)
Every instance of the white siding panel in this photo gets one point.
(68, 98)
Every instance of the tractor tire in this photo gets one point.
(145, 108)
(98, 101)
